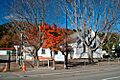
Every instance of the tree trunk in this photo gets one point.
(90, 56)
(53, 56)
(92, 60)
(36, 58)
(66, 61)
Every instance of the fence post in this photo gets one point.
(9, 60)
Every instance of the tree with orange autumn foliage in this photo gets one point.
(47, 37)
(54, 37)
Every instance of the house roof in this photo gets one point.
(76, 36)
(7, 48)
(73, 37)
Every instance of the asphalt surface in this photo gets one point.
(97, 72)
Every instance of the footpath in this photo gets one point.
(35, 73)
(101, 66)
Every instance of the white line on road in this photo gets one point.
(111, 78)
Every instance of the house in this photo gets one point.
(80, 50)
(48, 53)
(43, 54)
(5, 51)
(6, 54)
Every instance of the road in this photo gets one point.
(98, 73)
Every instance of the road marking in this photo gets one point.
(111, 78)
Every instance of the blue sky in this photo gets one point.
(60, 20)
(3, 10)
(4, 14)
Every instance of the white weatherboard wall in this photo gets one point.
(58, 56)
(78, 53)
(3, 52)
(27, 55)
(47, 53)
(81, 51)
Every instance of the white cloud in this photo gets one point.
(8, 17)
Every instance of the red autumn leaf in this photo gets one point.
(53, 36)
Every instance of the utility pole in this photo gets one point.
(66, 45)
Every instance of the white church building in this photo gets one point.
(77, 52)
